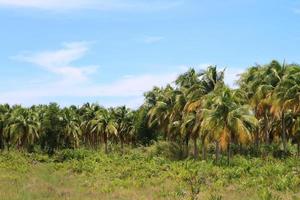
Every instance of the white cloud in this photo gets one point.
(232, 75)
(152, 39)
(128, 90)
(91, 4)
(60, 61)
(72, 80)
(132, 87)
(296, 10)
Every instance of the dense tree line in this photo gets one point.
(198, 107)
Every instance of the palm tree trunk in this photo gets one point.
(90, 141)
(204, 153)
(1, 140)
(266, 127)
(256, 135)
(122, 145)
(106, 147)
(298, 148)
(203, 149)
(257, 140)
(94, 140)
(283, 132)
(133, 143)
(8, 142)
(105, 142)
(186, 145)
(240, 148)
(196, 151)
(217, 151)
(228, 153)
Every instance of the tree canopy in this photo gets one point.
(264, 109)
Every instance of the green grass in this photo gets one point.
(83, 174)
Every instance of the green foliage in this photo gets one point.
(72, 154)
(260, 118)
(215, 197)
(266, 194)
(193, 179)
(52, 125)
(89, 173)
(144, 134)
(14, 161)
(169, 150)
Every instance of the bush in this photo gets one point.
(14, 161)
(81, 166)
(215, 197)
(72, 154)
(169, 150)
(281, 154)
(266, 194)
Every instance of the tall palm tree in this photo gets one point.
(88, 113)
(190, 129)
(124, 120)
(227, 120)
(72, 130)
(104, 126)
(159, 114)
(286, 97)
(207, 81)
(4, 116)
(23, 127)
(296, 133)
(188, 84)
(260, 85)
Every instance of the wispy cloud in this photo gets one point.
(232, 75)
(132, 88)
(60, 61)
(92, 4)
(128, 90)
(296, 11)
(72, 80)
(152, 39)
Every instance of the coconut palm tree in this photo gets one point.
(23, 127)
(159, 114)
(227, 120)
(190, 128)
(87, 113)
(206, 82)
(72, 130)
(104, 125)
(286, 97)
(296, 133)
(188, 83)
(125, 125)
(4, 116)
(261, 85)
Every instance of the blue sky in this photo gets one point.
(112, 51)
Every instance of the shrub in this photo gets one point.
(215, 197)
(193, 178)
(84, 166)
(15, 161)
(266, 194)
(167, 150)
(281, 154)
(72, 154)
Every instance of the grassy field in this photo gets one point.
(138, 174)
